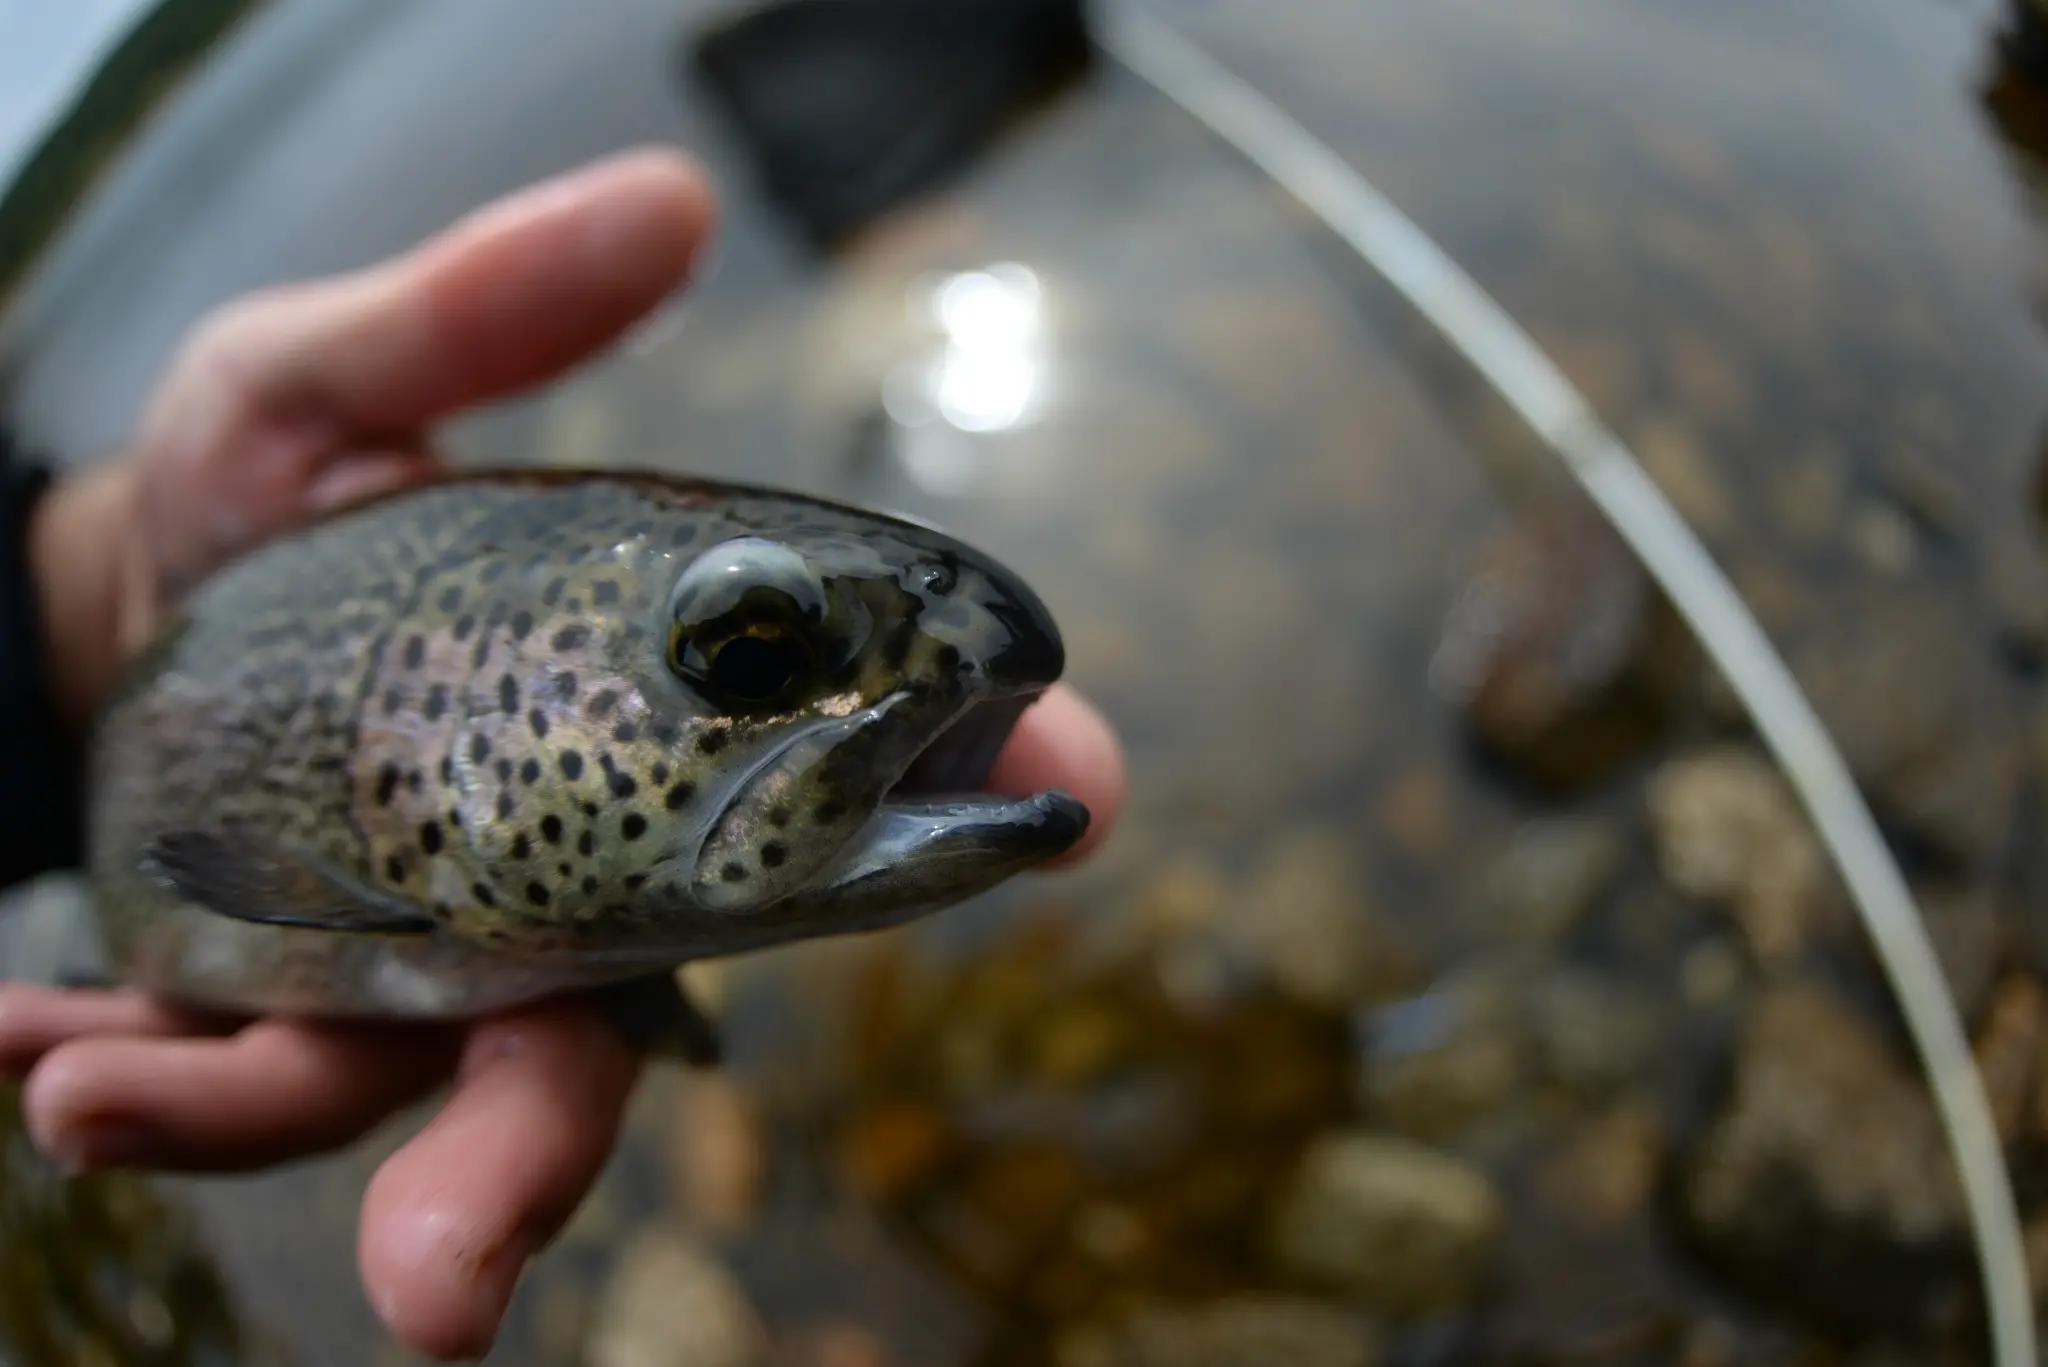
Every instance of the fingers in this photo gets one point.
(275, 1091)
(451, 1219)
(34, 1020)
(511, 296)
(1063, 742)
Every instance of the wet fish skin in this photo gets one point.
(435, 756)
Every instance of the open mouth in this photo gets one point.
(959, 759)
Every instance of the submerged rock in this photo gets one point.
(1304, 920)
(1552, 874)
(1825, 1182)
(671, 1303)
(1500, 1040)
(1604, 1172)
(1408, 1229)
(1240, 1331)
(1560, 650)
(1728, 832)
(1914, 698)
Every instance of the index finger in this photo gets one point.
(514, 295)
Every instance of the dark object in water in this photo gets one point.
(852, 107)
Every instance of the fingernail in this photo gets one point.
(97, 1145)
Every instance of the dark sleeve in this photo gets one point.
(41, 813)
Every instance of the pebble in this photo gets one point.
(1236, 1331)
(1729, 833)
(1554, 871)
(1825, 1181)
(1406, 1228)
(671, 1303)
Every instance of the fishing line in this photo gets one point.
(1517, 368)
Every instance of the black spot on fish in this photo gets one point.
(529, 772)
(565, 686)
(572, 765)
(622, 784)
(829, 812)
(635, 881)
(504, 770)
(947, 659)
(394, 869)
(602, 702)
(778, 815)
(711, 742)
(574, 605)
(664, 732)
(448, 770)
(481, 653)
(734, 872)
(538, 720)
(387, 784)
(634, 826)
(522, 625)
(537, 894)
(772, 855)
(522, 846)
(393, 701)
(482, 894)
(552, 594)
(451, 598)
(415, 652)
(506, 806)
(570, 637)
(551, 829)
(465, 624)
(625, 733)
(479, 748)
(492, 572)
(508, 694)
(683, 537)
(437, 702)
(415, 781)
(430, 836)
(586, 844)
(590, 884)
(590, 809)
(680, 795)
(604, 593)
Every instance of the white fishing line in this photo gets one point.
(1400, 251)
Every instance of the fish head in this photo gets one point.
(783, 729)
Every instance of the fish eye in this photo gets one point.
(758, 668)
(744, 623)
(939, 578)
(745, 664)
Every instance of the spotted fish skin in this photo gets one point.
(493, 739)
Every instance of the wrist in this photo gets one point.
(80, 539)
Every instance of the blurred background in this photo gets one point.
(1464, 985)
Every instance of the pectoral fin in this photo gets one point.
(248, 879)
(656, 1016)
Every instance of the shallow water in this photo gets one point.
(1790, 254)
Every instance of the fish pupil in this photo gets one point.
(756, 668)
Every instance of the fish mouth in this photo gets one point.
(892, 799)
(938, 836)
(947, 786)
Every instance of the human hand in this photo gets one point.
(279, 407)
